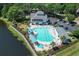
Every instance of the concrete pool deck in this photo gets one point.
(46, 45)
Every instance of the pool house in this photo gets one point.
(38, 17)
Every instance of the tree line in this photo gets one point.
(19, 11)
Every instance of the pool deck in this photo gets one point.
(46, 45)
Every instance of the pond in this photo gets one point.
(9, 45)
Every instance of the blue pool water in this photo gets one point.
(43, 35)
(40, 45)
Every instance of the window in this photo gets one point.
(40, 14)
(37, 20)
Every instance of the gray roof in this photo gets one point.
(62, 32)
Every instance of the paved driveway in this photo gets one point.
(70, 28)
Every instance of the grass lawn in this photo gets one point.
(70, 51)
(15, 34)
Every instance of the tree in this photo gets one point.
(37, 6)
(16, 12)
(70, 8)
(70, 17)
(76, 33)
(5, 9)
(56, 7)
(1, 7)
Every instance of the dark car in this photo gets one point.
(64, 21)
(73, 23)
(60, 20)
(48, 22)
(66, 28)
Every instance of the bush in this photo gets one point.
(76, 33)
(70, 17)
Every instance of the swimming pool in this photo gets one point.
(43, 35)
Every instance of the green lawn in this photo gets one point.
(15, 34)
(70, 51)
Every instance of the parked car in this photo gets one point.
(69, 40)
(66, 28)
(64, 21)
(48, 22)
(55, 23)
(73, 23)
(61, 25)
(60, 20)
(66, 43)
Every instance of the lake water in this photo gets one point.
(9, 45)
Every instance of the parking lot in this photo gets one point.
(61, 23)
